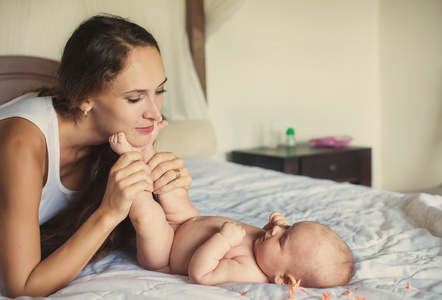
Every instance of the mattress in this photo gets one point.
(396, 238)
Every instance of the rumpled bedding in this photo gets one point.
(396, 238)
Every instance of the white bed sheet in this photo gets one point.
(396, 238)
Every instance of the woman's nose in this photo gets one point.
(152, 110)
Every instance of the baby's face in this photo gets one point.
(281, 248)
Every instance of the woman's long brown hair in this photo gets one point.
(62, 226)
(93, 56)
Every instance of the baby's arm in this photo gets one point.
(276, 219)
(208, 265)
(154, 235)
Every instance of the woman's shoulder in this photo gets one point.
(18, 134)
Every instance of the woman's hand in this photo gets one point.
(168, 173)
(128, 177)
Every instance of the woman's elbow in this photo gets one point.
(15, 291)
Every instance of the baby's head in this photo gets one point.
(306, 250)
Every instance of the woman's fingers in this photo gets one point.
(168, 172)
(170, 180)
(128, 177)
(127, 159)
(162, 162)
(172, 185)
(138, 178)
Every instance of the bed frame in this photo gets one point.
(196, 31)
(19, 74)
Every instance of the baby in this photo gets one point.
(212, 250)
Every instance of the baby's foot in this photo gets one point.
(120, 145)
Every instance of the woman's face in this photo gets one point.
(132, 103)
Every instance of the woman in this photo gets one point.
(111, 79)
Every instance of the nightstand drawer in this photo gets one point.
(351, 164)
(336, 167)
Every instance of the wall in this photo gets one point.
(411, 92)
(370, 69)
(312, 65)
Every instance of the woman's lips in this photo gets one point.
(145, 130)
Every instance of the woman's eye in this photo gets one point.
(160, 92)
(135, 100)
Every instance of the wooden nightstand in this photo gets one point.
(349, 164)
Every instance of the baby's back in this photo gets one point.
(195, 232)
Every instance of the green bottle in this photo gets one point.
(290, 137)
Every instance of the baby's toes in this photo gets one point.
(113, 139)
(118, 143)
(121, 139)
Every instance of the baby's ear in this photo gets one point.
(285, 279)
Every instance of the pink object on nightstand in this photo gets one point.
(331, 141)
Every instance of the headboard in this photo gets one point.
(19, 74)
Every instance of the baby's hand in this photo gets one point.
(276, 219)
(233, 232)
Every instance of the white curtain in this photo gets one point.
(217, 12)
(41, 28)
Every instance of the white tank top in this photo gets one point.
(41, 112)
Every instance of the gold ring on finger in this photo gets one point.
(177, 174)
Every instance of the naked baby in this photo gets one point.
(173, 238)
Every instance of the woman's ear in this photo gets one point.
(85, 105)
(285, 279)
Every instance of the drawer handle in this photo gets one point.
(332, 167)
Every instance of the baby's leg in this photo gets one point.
(176, 204)
(154, 235)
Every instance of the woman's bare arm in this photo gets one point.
(22, 169)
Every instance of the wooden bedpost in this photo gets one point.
(195, 29)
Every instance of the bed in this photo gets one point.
(396, 238)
